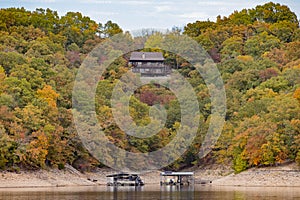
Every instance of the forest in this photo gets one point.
(257, 52)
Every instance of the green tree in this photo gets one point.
(109, 29)
(10, 60)
(284, 30)
(272, 13)
(259, 44)
(77, 28)
(232, 47)
(8, 150)
(197, 28)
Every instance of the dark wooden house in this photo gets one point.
(149, 64)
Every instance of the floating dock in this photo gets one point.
(177, 178)
(124, 179)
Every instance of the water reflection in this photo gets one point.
(150, 192)
(177, 192)
(125, 192)
(165, 192)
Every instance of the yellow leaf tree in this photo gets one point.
(48, 95)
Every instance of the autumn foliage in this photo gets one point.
(256, 51)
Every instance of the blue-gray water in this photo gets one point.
(151, 192)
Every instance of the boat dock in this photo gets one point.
(176, 178)
(124, 179)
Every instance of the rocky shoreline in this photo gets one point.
(282, 176)
(287, 175)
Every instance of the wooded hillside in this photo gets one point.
(257, 52)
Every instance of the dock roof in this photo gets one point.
(146, 56)
(177, 173)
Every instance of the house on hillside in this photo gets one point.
(149, 64)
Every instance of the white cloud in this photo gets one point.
(38, 1)
(163, 8)
(100, 13)
(96, 1)
(194, 15)
(165, 3)
(144, 2)
(231, 4)
(214, 3)
(134, 2)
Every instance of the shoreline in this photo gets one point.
(281, 176)
(149, 184)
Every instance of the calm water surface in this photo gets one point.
(151, 192)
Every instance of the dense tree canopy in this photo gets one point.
(256, 51)
(258, 55)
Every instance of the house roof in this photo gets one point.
(146, 56)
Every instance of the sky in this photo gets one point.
(133, 15)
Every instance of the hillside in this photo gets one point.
(256, 51)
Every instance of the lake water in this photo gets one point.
(151, 193)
